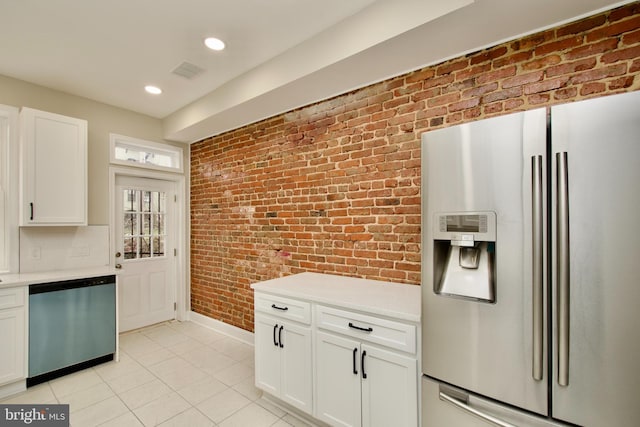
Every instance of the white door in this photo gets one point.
(12, 330)
(268, 354)
(337, 380)
(296, 384)
(389, 388)
(145, 224)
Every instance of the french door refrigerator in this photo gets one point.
(531, 268)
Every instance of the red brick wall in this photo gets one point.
(334, 187)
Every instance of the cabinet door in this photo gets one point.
(337, 380)
(267, 353)
(12, 356)
(389, 388)
(54, 161)
(296, 379)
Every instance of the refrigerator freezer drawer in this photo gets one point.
(440, 411)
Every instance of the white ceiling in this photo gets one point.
(280, 54)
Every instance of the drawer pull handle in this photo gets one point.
(280, 336)
(275, 328)
(279, 308)
(355, 355)
(369, 329)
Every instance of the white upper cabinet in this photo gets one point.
(53, 155)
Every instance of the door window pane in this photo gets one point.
(158, 224)
(158, 246)
(131, 248)
(146, 201)
(144, 224)
(130, 200)
(158, 202)
(145, 247)
(130, 226)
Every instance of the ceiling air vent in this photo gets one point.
(188, 70)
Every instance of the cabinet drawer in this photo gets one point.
(396, 335)
(285, 308)
(12, 297)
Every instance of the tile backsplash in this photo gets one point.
(63, 248)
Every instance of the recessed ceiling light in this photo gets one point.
(214, 43)
(153, 90)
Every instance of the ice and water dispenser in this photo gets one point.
(464, 249)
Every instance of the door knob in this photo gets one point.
(118, 266)
(118, 254)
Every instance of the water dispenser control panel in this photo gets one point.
(463, 229)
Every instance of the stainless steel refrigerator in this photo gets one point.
(531, 268)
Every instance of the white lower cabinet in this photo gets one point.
(390, 391)
(13, 323)
(331, 347)
(283, 360)
(338, 390)
(360, 384)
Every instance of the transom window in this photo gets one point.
(144, 224)
(145, 154)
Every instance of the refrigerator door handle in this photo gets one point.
(465, 407)
(537, 256)
(562, 268)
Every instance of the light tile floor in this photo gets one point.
(172, 374)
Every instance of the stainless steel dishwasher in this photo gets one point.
(72, 326)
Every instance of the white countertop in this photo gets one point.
(377, 297)
(25, 279)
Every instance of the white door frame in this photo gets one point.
(183, 296)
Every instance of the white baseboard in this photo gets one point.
(224, 328)
(13, 388)
(294, 412)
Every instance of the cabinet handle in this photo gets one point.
(280, 336)
(274, 335)
(355, 353)
(279, 308)
(364, 374)
(369, 329)
(31, 207)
